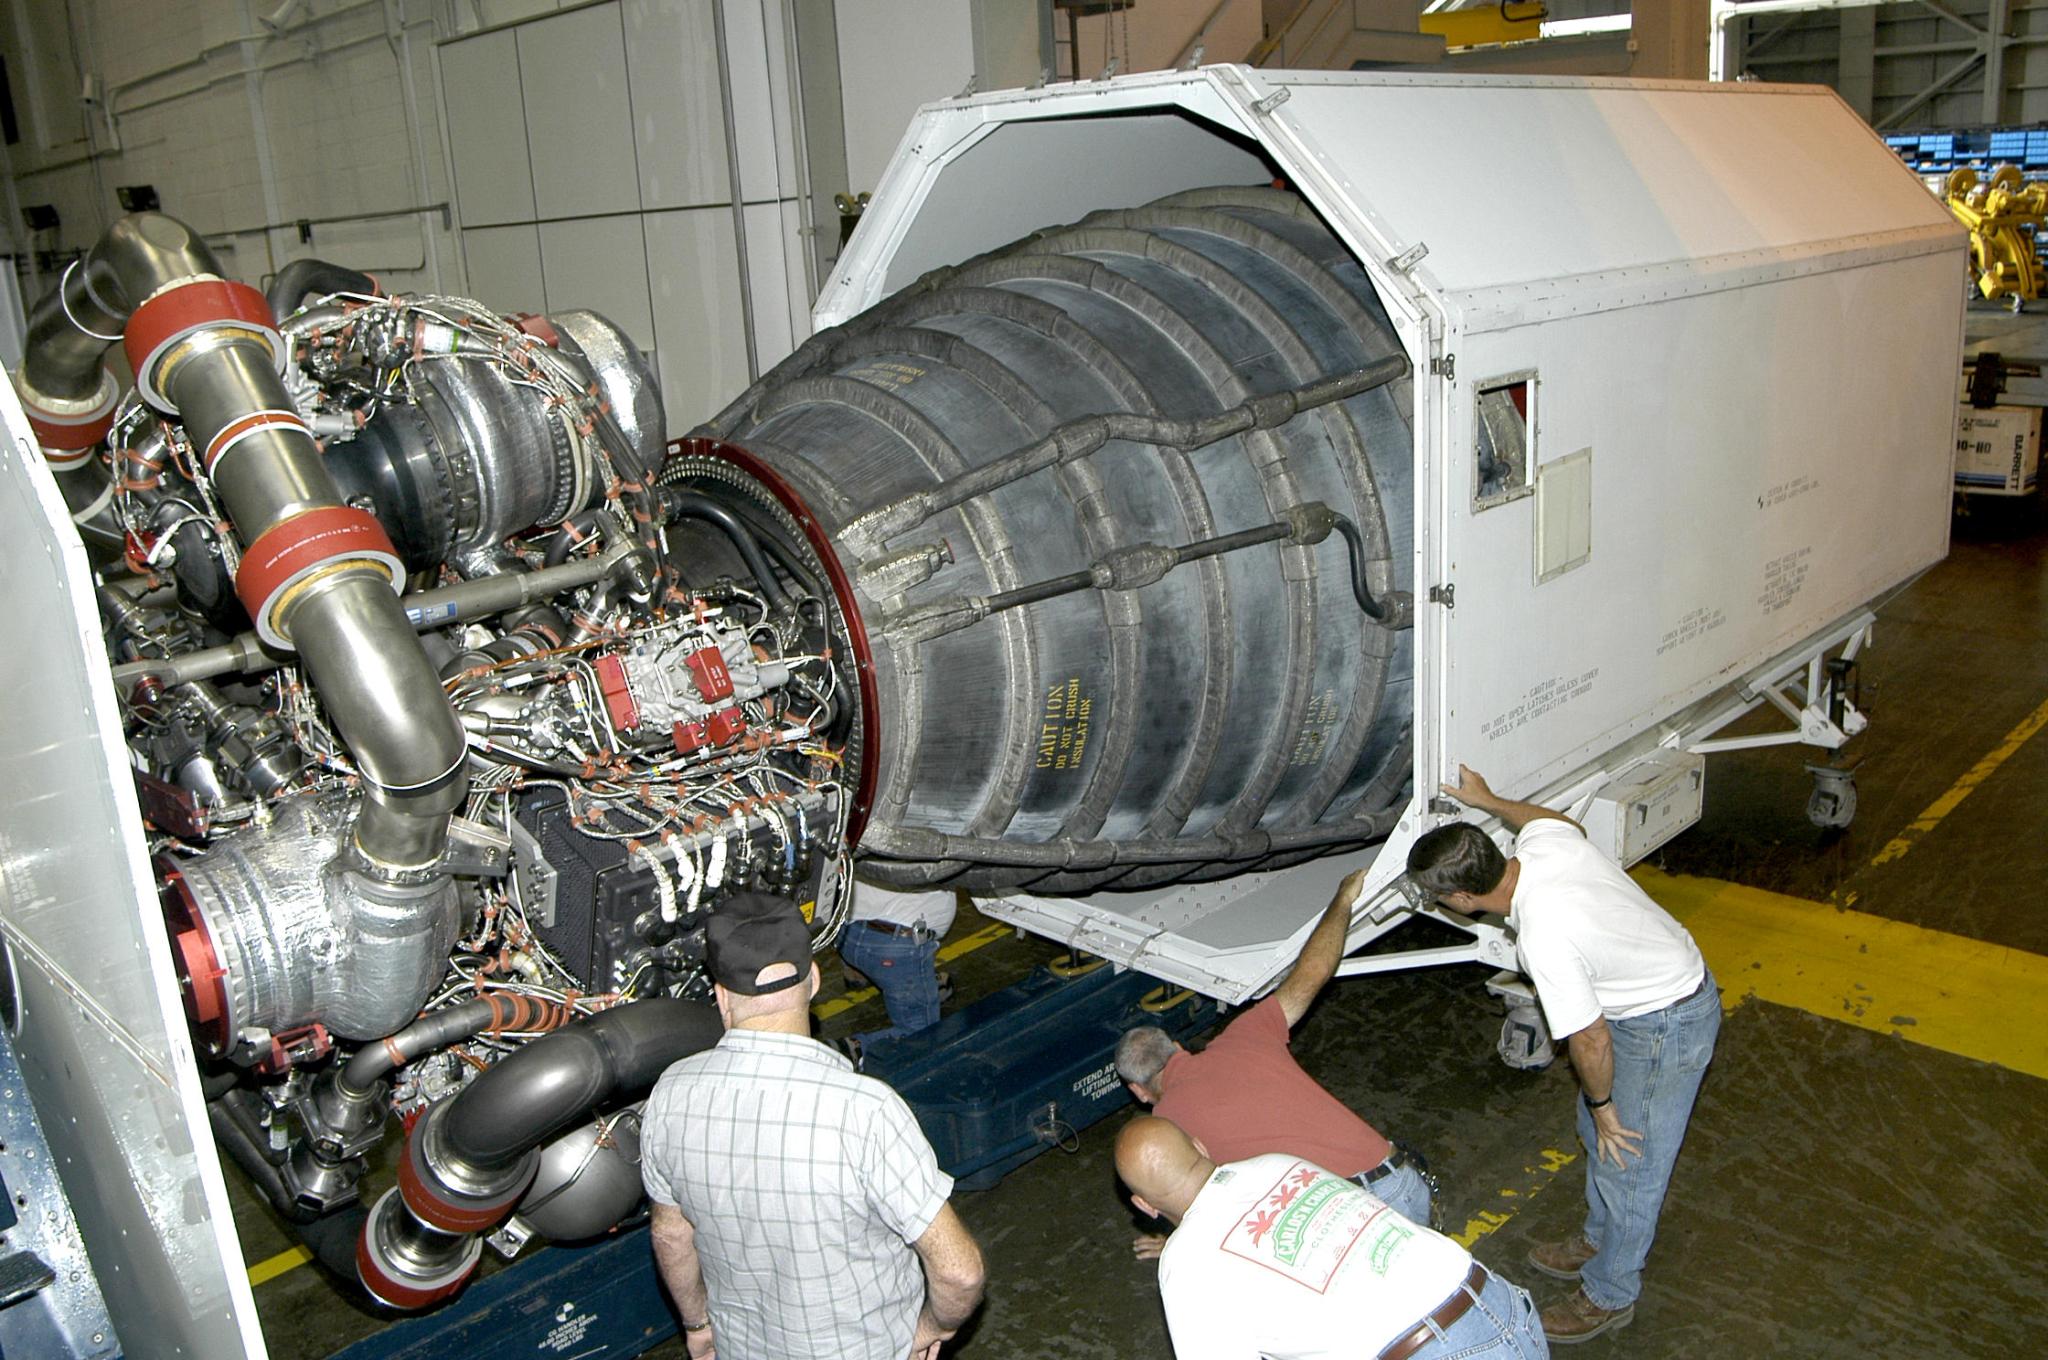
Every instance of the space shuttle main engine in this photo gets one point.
(456, 701)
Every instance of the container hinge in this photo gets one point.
(1444, 366)
(1409, 258)
(1445, 595)
(1272, 101)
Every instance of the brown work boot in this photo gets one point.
(1562, 1260)
(1576, 1318)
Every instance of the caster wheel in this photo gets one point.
(1832, 804)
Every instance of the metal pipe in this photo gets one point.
(1083, 436)
(315, 573)
(470, 1159)
(464, 602)
(738, 192)
(688, 505)
(1133, 568)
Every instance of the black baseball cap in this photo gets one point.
(752, 931)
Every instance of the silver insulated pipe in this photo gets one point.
(1124, 514)
(316, 575)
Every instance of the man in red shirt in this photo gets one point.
(1244, 1095)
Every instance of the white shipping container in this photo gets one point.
(1736, 317)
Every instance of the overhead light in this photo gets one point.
(1598, 23)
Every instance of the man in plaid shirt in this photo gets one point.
(799, 1211)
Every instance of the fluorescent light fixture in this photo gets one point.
(1598, 23)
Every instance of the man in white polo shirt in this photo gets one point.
(1274, 1256)
(1626, 983)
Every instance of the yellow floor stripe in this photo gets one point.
(1486, 1222)
(1948, 992)
(1962, 788)
(988, 935)
(278, 1265)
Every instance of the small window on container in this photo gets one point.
(1503, 439)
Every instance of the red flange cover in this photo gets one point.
(178, 311)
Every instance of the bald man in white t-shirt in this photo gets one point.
(1626, 987)
(1276, 1257)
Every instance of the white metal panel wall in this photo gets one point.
(102, 1039)
(590, 164)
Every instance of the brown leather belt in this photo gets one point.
(1450, 1310)
(888, 927)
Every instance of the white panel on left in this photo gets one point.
(503, 265)
(678, 122)
(578, 115)
(694, 268)
(487, 130)
(600, 264)
(103, 1041)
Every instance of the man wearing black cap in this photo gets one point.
(799, 1211)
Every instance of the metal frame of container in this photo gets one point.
(1703, 287)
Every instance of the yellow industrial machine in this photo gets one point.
(2002, 214)
(1508, 22)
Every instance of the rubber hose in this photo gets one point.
(689, 505)
(1354, 548)
(552, 1082)
(300, 277)
(577, 529)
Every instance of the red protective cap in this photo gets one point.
(200, 976)
(618, 693)
(539, 327)
(389, 1290)
(690, 737)
(292, 549)
(725, 726)
(64, 442)
(184, 309)
(713, 680)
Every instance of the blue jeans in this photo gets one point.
(904, 968)
(1501, 1322)
(1658, 1061)
(1404, 1191)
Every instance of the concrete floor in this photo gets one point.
(1858, 1180)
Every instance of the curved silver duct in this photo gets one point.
(316, 574)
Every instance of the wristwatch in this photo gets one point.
(689, 1326)
(1607, 1099)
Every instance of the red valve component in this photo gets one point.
(618, 694)
(539, 327)
(724, 726)
(713, 680)
(691, 737)
(307, 1044)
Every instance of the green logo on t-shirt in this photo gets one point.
(1292, 1229)
(1390, 1239)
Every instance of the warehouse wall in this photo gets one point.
(534, 153)
(1887, 60)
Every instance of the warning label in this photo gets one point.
(569, 1330)
(1543, 697)
(1316, 723)
(1784, 577)
(1063, 726)
(1695, 625)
